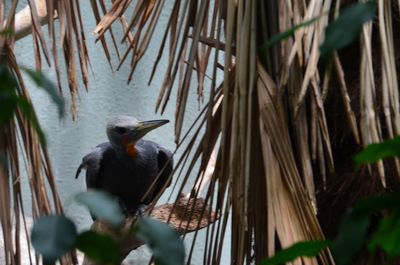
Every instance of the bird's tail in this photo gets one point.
(81, 166)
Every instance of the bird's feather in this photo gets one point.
(126, 177)
(165, 163)
(91, 162)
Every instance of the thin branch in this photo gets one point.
(23, 19)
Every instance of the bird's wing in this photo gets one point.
(165, 164)
(92, 163)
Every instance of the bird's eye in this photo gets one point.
(120, 130)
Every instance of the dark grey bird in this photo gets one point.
(127, 165)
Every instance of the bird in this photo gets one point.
(127, 165)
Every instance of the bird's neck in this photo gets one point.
(131, 149)
(126, 149)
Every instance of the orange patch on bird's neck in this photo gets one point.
(131, 149)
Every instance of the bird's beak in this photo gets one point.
(146, 126)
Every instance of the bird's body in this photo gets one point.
(127, 169)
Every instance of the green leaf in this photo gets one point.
(375, 152)
(372, 205)
(3, 159)
(100, 248)
(52, 236)
(387, 237)
(7, 80)
(103, 206)
(10, 101)
(350, 238)
(165, 243)
(346, 28)
(8, 106)
(27, 110)
(284, 35)
(300, 249)
(6, 33)
(43, 82)
(288, 33)
(8, 96)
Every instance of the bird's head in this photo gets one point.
(124, 131)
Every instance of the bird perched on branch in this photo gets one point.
(127, 166)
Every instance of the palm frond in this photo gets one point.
(268, 121)
(270, 128)
(21, 139)
(22, 144)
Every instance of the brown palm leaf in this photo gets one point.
(268, 123)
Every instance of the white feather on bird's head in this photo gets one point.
(124, 131)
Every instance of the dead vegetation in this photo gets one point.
(270, 120)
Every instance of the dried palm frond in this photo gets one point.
(268, 121)
(71, 39)
(21, 141)
(69, 36)
(20, 137)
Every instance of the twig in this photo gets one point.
(23, 19)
